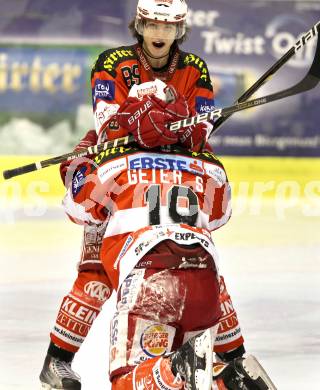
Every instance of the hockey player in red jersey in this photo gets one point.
(161, 207)
(140, 71)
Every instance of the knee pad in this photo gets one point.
(92, 288)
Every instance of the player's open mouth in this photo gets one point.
(158, 45)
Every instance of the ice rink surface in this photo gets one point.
(270, 260)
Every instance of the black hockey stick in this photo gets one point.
(308, 82)
(8, 174)
(270, 72)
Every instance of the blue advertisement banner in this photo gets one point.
(240, 41)
(79, 21)
(43, 80)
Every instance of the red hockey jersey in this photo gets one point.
(148, 197)
(117, 70)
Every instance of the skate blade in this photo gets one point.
(45, 386)
(203, 348)
(48, 387)
(256, 371)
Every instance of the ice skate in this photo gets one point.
(193, 362)
(254, 375)
(58, 374)
(244, 374)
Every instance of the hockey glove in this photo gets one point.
(175, 104)
(191, 137)
(132, 111)
(152, 130)
(90, 139)
(146, 119)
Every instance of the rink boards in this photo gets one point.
(250, 176)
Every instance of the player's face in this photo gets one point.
(158, 37)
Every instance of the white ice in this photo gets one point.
(271, 263)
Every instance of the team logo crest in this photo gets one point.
(103, 90)
(78, 181)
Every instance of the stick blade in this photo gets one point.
(315, 67)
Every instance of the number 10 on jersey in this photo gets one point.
(182, 204)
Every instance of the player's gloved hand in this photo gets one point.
(152, 130)
(132, 111)
(193, 137)
(90, 139)
(175, 104)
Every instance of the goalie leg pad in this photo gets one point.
(193, 361)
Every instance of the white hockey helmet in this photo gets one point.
(165, 11)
